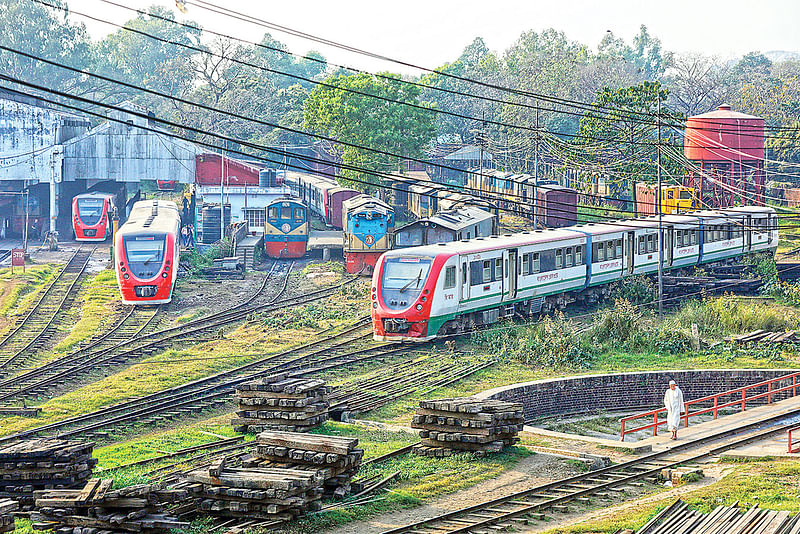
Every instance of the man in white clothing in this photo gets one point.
(673, 402)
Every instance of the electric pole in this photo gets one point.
(536, 172)
(660, 194)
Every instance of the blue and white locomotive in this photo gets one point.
(368, 227)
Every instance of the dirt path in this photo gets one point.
(531, 471)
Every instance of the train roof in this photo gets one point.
(362, 201)
(94, 194)
(455, 219)
(157, 216)
(481, 244)
(278, 200)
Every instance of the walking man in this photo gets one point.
(673, 402)
(190, 235)
(185, 235)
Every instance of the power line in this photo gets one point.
(346, 89)
(251, 145)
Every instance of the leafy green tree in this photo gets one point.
(617, 138)
(141, 60)
(371, 123)
(43, 32)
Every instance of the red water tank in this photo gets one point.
(726, 149)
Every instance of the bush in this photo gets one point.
(622, 323)
(551, 343)
(196, 261)
(729, 315)
(636, 290)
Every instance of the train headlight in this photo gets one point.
(419, 307)
(126, 276)
(424, 299)
(375, 305)
(163, 275)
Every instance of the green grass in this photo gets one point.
(100, 292)
(19, 290)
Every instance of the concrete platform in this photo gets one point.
(325, 240)
(789, 409)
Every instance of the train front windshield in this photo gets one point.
(145, 254)
(403, 279)
(90, 210)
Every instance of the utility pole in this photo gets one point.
(535, 198)
(660, 229)
(221, 194)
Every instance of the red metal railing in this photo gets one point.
(792, 448)
(716, 406)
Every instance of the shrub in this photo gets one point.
(622, 323)
(729, 315)
(550, 343)
(636, 290)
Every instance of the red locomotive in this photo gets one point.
(147, 251)
(91, 216)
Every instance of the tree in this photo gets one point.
(37, 30)
(698, 83)
(368, 122)
(141, 60)
(620, 138)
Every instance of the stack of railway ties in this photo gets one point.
(277, 402)
(286, 475)
(466, 424)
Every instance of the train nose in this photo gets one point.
(145, 291)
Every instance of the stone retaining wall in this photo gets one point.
(619, 391)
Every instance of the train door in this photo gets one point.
(668, 246)
(748, 233)
(464, 278)
(631, 247)
(511, 273)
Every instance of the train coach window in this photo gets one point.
(642, 249)
(679, 238)
(286, 212)
(298, 214)
(579, 255)
(618, 244)
(569, 257)
(601, 252)
(273, 213)
(535, 264)
(651, 243)
(450, 277)
(559, 258)
(694, 236)
(526, 264)
(498, 269)
(487, 271)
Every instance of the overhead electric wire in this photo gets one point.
(316, 82)
(214, 8)
(250, 119)
(85, 100)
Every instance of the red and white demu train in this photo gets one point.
(147, 252)
(420, 293)
(91, 216)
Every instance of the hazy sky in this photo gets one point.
(431, 32)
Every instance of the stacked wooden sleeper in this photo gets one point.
(461, 424)
(97, 509)
(280, 403)
(7, 509)
(254, 492)
(336, 458)
(38, 464)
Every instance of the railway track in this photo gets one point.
(125, 344)
(38, 326)
(529, 505)
(350, 346)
